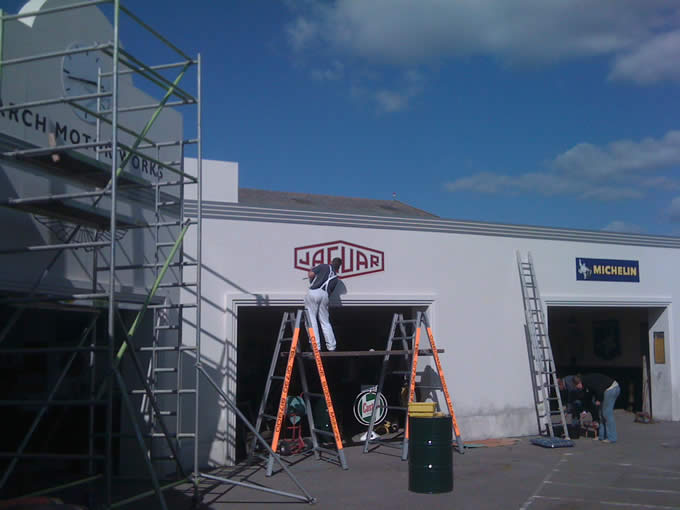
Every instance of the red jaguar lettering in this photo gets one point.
(357, 260)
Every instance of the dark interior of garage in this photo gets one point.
(356, 329)
(611, 341)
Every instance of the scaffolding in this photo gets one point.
(101, 211)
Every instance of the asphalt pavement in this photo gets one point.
(641, 471)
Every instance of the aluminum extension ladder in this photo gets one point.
(543, 372)
(289, 333)
(407, 334)
(168, 354)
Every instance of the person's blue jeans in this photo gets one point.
(575, 407)
(608, 424)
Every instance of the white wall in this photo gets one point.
(660, 374)
(470, 280)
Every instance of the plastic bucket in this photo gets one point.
(430, 462)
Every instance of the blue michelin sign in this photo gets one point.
(607, 270)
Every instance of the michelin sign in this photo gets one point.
(607, 270)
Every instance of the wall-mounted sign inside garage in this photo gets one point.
(356, 260)
(607, 270)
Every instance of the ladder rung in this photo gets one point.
(167, 326)
(278, 378)
(269, 416)
(324, 432)
(317, 395)
(326, 450)
(171, 223)
(169, 307)
(164, 370)
(168, 202)
(146, 266)
(181, 435)
(164, 392)
(176, 284)
(165, 348)
(163, 459)
(164, 244)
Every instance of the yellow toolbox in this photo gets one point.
(421, 409)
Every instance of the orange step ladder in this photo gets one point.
(289, 332)
(408, 332)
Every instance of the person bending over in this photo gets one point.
(606, 390)
(323, 279)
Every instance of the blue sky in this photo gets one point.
(544, 112)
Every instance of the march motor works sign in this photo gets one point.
(356, 260)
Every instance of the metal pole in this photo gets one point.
(2, 33)
(62, 487)
(238, 412)
(53, 54)
(138, 434)
(149, 393)
(179, 375)
(49, 247)
(45, 102)
(199, 225)
(157, 34)
(155, 77)
(155, 68)
(112, 260)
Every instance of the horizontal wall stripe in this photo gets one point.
(234, 212)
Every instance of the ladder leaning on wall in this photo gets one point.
(543, 372)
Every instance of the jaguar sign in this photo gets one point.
(356, 260)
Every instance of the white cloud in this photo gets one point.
(389, 101)
(624, 169)
(404, 30)
(332, 73)
(623, 227)
(653, 61)
(621, 157)
(640, 34)
(301, 33)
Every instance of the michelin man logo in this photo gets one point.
(584, 270)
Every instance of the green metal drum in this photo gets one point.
(430, 462)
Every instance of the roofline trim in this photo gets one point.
(230, 211)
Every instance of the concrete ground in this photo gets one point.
(641, 471)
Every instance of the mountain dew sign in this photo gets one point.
(364, 404)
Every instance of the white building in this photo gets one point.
(258, 245)
(609, 297)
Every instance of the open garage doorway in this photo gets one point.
(357, 328)
(609, 340)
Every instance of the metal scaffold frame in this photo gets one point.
(164, 296)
